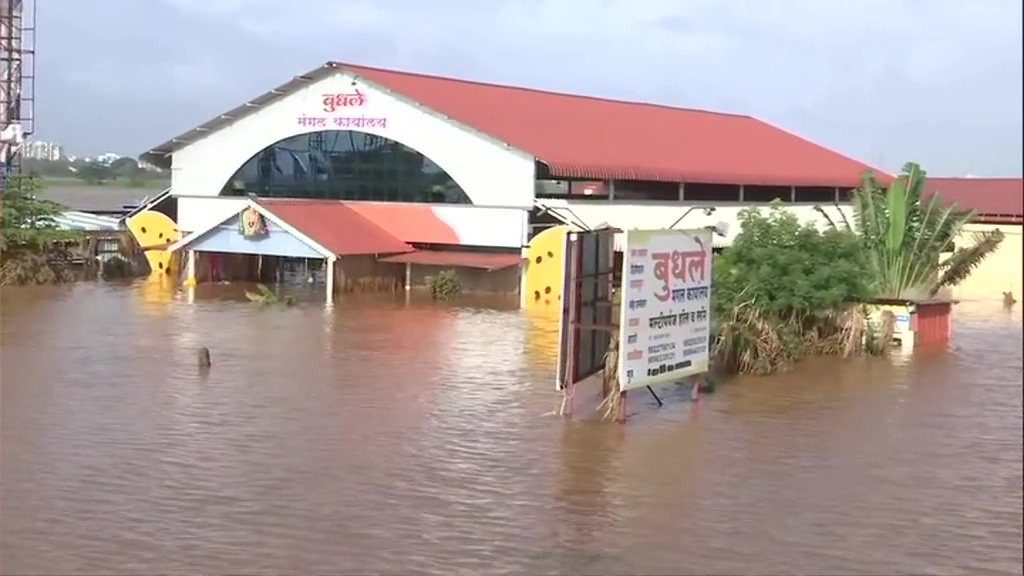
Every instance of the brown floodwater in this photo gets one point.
(388, 438)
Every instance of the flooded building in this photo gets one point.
(999, 203)
(363, 178)
(102, 238)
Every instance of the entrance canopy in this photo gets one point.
(297, 229)
(337, 227)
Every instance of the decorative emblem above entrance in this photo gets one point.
(252, 224)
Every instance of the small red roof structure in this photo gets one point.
(412, 223)
(993, 198)
(335, 226)
(594, 138)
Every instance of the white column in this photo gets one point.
(190, 269)
(523, 265)
(408, 276)
(330, 278)
(524, 252)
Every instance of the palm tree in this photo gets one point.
(909, 239)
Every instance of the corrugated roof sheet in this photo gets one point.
(336, 227)
(587, 137)
(481, 260)
(412, 223)
(72, 220)
(989, 196)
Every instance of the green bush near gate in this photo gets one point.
(785, 289)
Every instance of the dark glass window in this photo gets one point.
(646, 190)
(816, 194)
(344, 165)
(766, 194)
(711, 192)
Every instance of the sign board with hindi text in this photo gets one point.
(665, 313)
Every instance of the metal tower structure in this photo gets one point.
(17, 80)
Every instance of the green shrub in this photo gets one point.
(29, 267)
(445, 285)
(785, 289)
(118, 267)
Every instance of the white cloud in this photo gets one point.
(937, 81)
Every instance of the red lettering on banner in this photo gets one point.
(332, 102)
(661, 273)
(687, 266)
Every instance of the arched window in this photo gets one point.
(344, 165)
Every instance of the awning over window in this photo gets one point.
(481, 260)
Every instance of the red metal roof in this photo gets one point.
(587, 137)
(482, 260)
(335, 226)
(413, 223)
(989, 196)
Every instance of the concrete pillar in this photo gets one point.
(190, 269)
(408, 276)
(330, 278)
(523, 265)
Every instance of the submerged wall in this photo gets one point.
(472, 280)
(1000, 272)
(367, 274)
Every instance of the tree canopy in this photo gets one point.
(914, 245)
(28, 221)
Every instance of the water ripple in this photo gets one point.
(384, 438)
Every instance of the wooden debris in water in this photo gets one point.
(613, 400)
(204, 357)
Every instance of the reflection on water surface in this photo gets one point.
(379, 436)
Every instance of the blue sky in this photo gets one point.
(938, 82)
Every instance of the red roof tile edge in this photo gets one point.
(346, 234)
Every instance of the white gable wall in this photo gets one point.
(492, 173)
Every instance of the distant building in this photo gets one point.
(39, 150)
(999, 205)
(106, 158)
